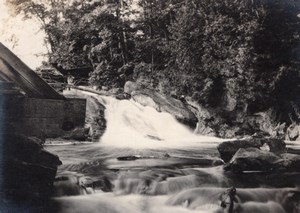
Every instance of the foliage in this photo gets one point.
(227, 55)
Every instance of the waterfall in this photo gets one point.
(129, 124)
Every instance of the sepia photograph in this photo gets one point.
(149, 106)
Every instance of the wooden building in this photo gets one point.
(30, 106)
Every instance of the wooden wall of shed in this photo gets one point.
(41, 117)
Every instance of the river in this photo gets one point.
(148, 162)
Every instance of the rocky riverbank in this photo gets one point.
(27, 171)
(200, 119)
(260, 161)
(226, 122)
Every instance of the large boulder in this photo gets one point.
(252, 159)
(28, 169)
(288, 162)
(228, 148)
(178, 108)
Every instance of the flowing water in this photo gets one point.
(148, 162)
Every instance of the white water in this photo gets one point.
(158, 184)
(106, 203)
(130, 124)
(200, 200)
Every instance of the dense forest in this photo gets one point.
(227, 55)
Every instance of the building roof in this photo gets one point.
(13, 70)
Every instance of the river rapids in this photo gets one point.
(148, 162)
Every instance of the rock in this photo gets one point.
(264, 122)
(252, 159)
(128, 158)
(129, 87)
(78, 134)
(95, 121)
(228, 148)
(123, 96)
(29, 169)
(203, 129)
(95, 118)
(227, 199)
(47, 159)
(167, 104)
(204, 117)
(154, 137)
(293, 132)
(70, 185)
(225, 131)
(95, 113)
(103, 183)
(288, 162)
(276, 145)
(146, 101)
(136, 157)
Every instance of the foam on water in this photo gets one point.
(206, 199)
(106, 203)
(130, 124)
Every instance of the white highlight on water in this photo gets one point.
(130, 124)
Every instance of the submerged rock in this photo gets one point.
(129, 158)
(67, 186)
(72, 184)
(154, 137)
(229, 148)
(123, 96)
(136, 157)
(252, 159)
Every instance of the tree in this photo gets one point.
(213, 44)
(228, 55)
(152, 53)
(92, 34)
